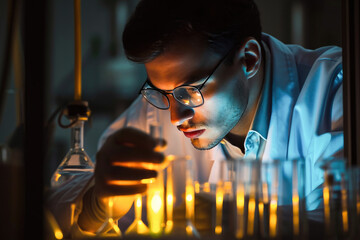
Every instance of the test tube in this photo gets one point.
(295, 199)
(169, 200)
(274, 200)
(219, 206)
(155, 197)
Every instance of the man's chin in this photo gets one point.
(201, 144)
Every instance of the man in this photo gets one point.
(214, 77)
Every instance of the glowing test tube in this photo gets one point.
(295, 200)
(219, 205)
(252, 183)
(169, 200)
(273, 217)
(189, 200)
(264, 199)
(344, 211)
(273, 202)
(261, 215)
(155, 206)
(251, 210)
(240, 202)
(155, 197)
(326, 197)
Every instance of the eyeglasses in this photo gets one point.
(187, 95)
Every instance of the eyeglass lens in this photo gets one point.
(156, 98)
(187, 95)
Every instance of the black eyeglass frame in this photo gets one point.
(166, 92)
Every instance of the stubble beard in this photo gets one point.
(196, 142)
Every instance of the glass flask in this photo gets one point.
(109, 228)
(138, 226)
(76, 161)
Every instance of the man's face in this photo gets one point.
(225, 93)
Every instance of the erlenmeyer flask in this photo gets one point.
(138, 226)
(76, 161)
(109, 227)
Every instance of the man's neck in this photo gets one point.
(238, 134)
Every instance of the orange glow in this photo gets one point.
(261, 210)
(169, 200)
(344, 212)
(190, 203)
(345, 220)
(296, 220)
(326, 197)
(265, 192)
(273, 218)
(240, 202)
(197, 187)
(206, 187)
(58, 234)
(189, 230)
(156, 202)
(219, 205)
(251, 216)
(58, 175)
(218, 230)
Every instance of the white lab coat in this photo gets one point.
(300, 115)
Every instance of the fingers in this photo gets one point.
(129, 174)
(129, 154)
(126, 163)
(119, 190)
(132, 137)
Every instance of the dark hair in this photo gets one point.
(157, 23)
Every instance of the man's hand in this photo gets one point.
(125, 165)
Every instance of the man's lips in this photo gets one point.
(193, 134)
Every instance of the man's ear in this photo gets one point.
(249, 54)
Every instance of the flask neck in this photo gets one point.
(77, 135)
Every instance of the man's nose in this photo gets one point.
(179, 113)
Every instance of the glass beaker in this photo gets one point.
(341, 198)
(76, 162)
(248, 207)
(180, 197)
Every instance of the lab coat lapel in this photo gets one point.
(285, 88)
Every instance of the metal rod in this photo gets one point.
(77, 18)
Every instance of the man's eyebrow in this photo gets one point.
(196, 78)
